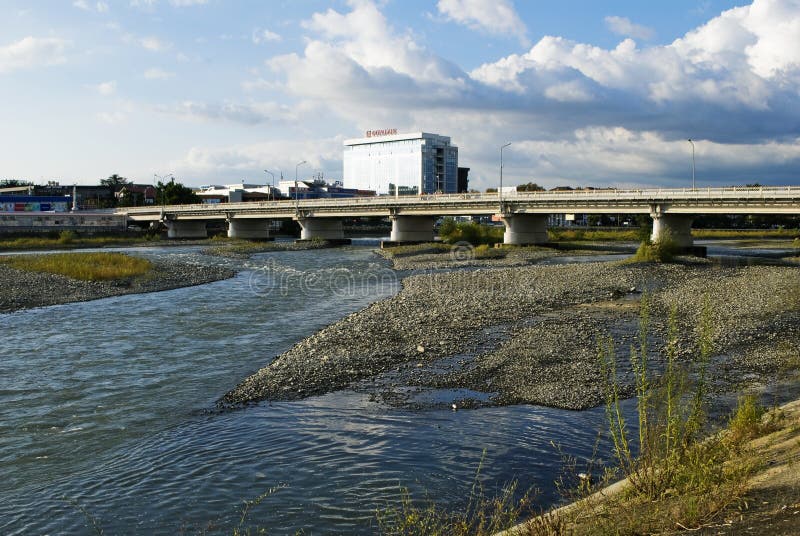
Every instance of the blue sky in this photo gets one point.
(216, 91)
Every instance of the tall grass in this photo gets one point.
(67, 239)
(745, 233)
(607, 235)
(476, 234)
(482, 516)
(83, 266)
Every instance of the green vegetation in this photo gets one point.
(83, 266)
(482, 516)
(663, 250)
(452, 232)
(70, 239)
(674, 479)
(745, 233)
(607, 235)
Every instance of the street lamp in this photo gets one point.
(296, 199)
(273, 182)
(690, 141)
(500, 191)
(161, 179)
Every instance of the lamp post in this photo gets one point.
(500, 191)
(296, 198)
(161, 179)
(273, 183)
(690, 141)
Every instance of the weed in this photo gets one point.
(83, 266)
(482, 515)
(474, 233)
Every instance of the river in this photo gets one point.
(108, 419)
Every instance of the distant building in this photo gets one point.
(387, 162)
(237, 193)
(320, 189)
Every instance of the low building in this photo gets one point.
(320, 189)
(237, 193)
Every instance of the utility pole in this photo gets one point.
(690, 141)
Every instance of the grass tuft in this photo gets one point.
(83, 266)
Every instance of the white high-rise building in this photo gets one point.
(388, 163)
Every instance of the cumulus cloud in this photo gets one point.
(31, 52)
(731, 83)
(264, 36)
(248, 161)
(106, 88)
(492, 16)
(623, 26)
(250, 114)
(153, 44)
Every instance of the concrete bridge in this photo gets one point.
(523, 213)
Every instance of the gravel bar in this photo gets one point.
(24, 290)
(529, 334)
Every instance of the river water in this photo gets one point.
(108, 421)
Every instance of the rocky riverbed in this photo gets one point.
(439, 256)
(529, 334)
(24, 290)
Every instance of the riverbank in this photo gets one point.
(528, 334)
(757, 492)
(22, 289)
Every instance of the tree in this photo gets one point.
(115, 182)
(491, 190)
(11, 183)
(175, 193)
(530, 187)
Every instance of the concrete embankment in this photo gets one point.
(528, 334)
(24, 290)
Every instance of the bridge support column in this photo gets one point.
(525, 229)
(676, 227)
(412, 229)
(251, 229)
(186, 229)
(330, 229)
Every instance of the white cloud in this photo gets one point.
(251, 113)
(264, 36)
(731, 83)
(623, 26)
(493, 16)
(248, 161)
(106, 88)
(153, 44)
(158, 74)
(31, 52)
(101, 7)
(81, 4)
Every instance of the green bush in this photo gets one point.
(476, 234)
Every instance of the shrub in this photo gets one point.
(452, 232)
(66, 237)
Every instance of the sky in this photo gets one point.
(216, 91)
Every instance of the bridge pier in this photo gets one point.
(330, 229)
(525, 229)
(186, 229)
(251, 229)
(412, 229)
(676, 227)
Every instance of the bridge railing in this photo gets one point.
(654, 195)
